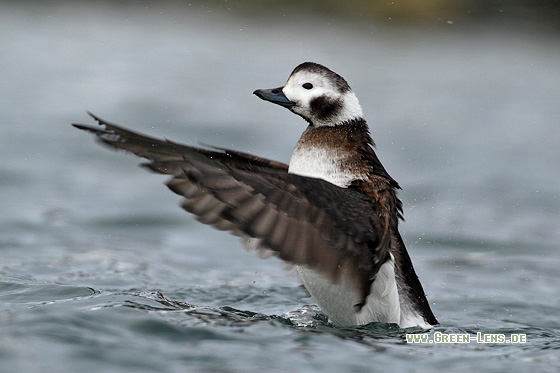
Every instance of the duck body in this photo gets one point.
(333, 212)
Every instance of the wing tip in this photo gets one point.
(89, 128)
(97, 119)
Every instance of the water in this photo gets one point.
(100, 271)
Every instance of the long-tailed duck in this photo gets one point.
(333, 212)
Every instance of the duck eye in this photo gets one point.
(307, 85)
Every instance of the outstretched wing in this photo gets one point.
(156, 149)
(303, 220)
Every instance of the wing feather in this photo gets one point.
(305, 221)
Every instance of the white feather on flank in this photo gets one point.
(410, 318)
(338, 300)
(382, 304)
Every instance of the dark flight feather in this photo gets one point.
(304, 221)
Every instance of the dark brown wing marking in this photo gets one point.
(304, 221)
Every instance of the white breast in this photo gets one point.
(321, 163)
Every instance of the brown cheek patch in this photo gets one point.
(325, 107)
